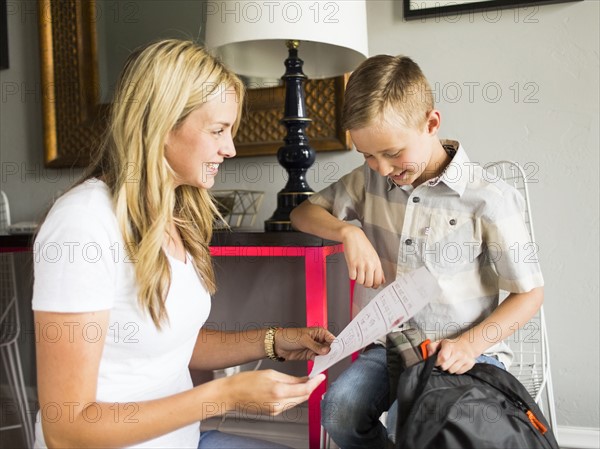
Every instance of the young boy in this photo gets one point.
(420, 202)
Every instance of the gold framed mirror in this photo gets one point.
(74, 118)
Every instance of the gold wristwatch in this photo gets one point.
(270, 345)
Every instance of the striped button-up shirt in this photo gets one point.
(465, 226)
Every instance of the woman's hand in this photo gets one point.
(302, 343)
(454, 356)
(364, 265)
(270, 391)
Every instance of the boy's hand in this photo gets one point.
(364, 265)
(454, 356)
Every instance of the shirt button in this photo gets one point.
(408, 242)
(416, 199)
(452, 222)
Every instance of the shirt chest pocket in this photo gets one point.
(452, 240)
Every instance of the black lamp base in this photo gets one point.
(296, 155)
(286, 201)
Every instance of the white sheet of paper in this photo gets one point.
(394, 305)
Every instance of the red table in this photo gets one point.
(313, 249)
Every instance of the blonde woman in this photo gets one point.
(123, 275)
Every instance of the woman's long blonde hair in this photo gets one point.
(160, 85)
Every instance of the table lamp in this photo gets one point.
(252, 38)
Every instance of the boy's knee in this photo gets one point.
(342, 410)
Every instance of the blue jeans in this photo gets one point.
(351, 408)
(213, 439)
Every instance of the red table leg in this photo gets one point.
(316, 315)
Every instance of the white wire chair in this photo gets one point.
(531, 363)
(9, 333)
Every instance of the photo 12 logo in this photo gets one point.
(273, 11)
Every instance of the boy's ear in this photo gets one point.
(434, 120)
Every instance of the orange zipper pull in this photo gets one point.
(536, 422)
(423, 348)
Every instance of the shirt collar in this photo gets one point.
(456, 173)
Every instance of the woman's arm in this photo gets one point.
(68, 367)
(220, 349)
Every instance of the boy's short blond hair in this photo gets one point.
(385, 87)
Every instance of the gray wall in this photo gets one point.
(518, 84)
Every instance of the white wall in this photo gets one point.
(548, 55)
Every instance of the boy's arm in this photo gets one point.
(316, 220)
(458, 355)
(363, 262)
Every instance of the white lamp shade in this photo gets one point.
(250, 36)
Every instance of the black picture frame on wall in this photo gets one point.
(418, 9)
(3, 35)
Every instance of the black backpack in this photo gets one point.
(485, 408)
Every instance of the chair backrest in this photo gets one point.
(531, 363)
(514, 175)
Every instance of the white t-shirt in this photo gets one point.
(80, 265)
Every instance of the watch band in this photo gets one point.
(270, 345)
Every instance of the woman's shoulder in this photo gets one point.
(91, 197)
(90, 193)
(84, 208)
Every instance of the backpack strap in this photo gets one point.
(428, 367)
(405, 404)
